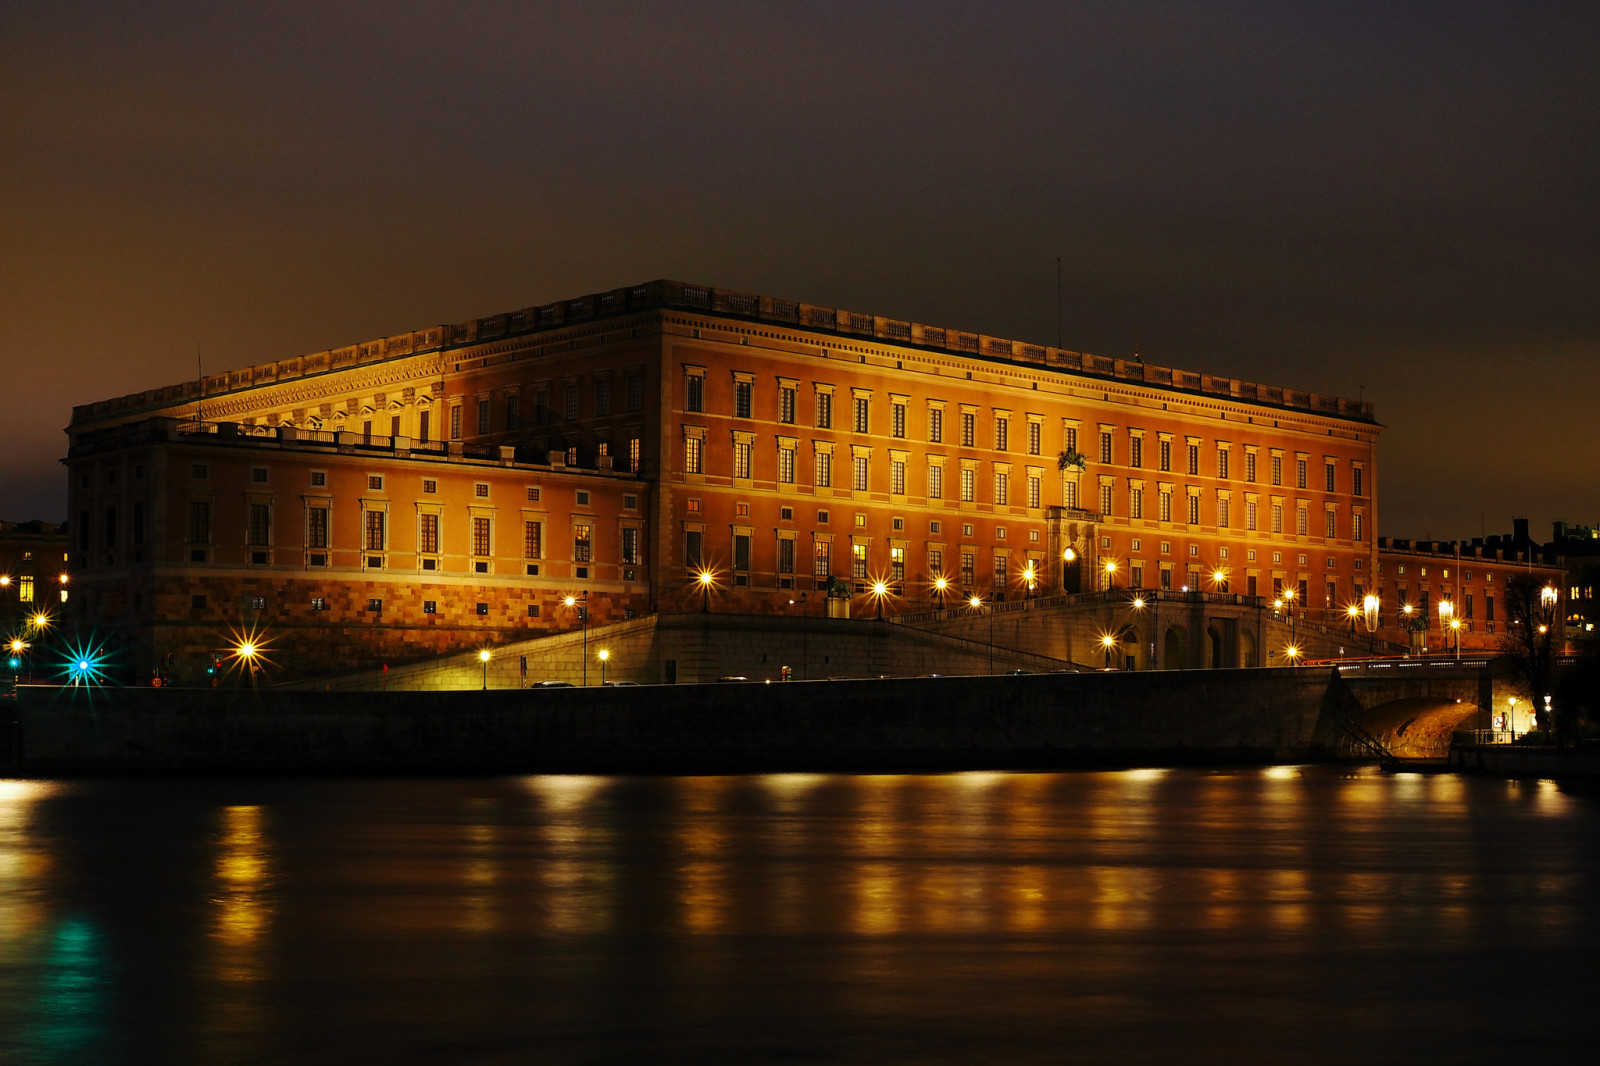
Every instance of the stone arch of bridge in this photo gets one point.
(1417, 727)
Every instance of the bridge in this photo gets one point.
(1410, 707)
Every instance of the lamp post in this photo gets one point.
(1288, 600)
(879, 591)
(1068, 557)
(1137, 603)
(1111, 574)
(581, 601)
(605, 657)
(941, 585)
(1027, 581)
(1107, 641)
(1369, 618)
(484, 655)
(1292, 653)
(16, 647)
(805, 654)
(976, 603)
(705, 579)
(1455, 635)
(1447, 613)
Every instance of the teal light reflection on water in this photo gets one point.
(68, 1016)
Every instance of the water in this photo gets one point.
(1285, 914)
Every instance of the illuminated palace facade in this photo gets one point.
(622, 443)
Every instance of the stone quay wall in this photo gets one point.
(1039, 721)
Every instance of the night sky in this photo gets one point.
(1392, 200)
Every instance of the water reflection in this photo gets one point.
(601, 919)
(237, 1014)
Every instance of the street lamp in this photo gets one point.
(581, 601)
(1107, 641)
(1292, 653)
(1027, 579)
(1369, 618)
(484, 655)
(941, 585)
(16, 646)
(1455, 633)
(1447, 612)
(1111, 574)
(605, 657)
(705, 579)
(880, 589)
(1137, 603)
(976, 603)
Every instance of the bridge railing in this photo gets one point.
(1406, 664)
(1479, 738)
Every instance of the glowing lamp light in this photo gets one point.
(976, 601)
(64, 578)
(39, 620)
(1069, 556)
(604, 655)
(1111, 566)
(485, 655)
(17, 646)
(1108, 641)
(941, 583)
(5, 581)
(569, 601)
(880, 589)
(1138, 603)
(1352, 610)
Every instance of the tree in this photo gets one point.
(1529, 647)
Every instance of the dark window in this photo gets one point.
(259, 526)
(199, 522)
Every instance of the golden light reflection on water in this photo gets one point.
(23, 865)
(701, 839)
(479, 876)
(575, 875)
(241, 871)
(237, 1013)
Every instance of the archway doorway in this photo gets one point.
(1247, 649)
(1174, 653)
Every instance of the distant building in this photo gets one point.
(1580, 546)
(34, 575)
(1468, 578)
(777, 447)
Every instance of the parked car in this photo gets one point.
(733, 678)
(556, 684)
(622, 684)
